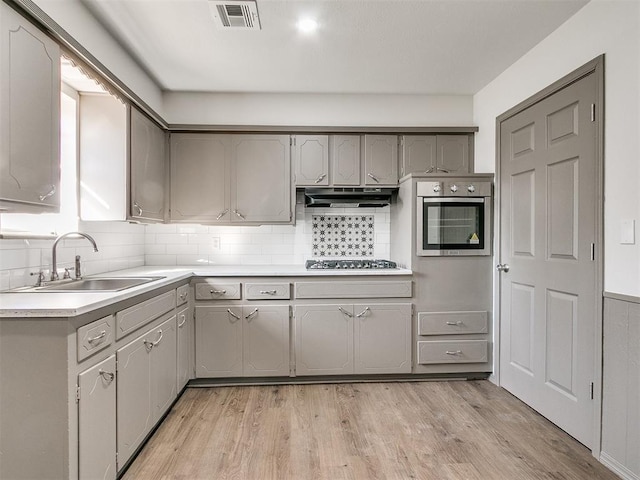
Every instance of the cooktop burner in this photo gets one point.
(348, 264)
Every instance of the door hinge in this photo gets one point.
(591, 390)
(593, 252)
(77, 394)
(593, 112)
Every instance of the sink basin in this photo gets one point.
(96, 284)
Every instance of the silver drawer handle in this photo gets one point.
(232, 314)
(459, 322)
(183, 296)
(102, 334)
(222, 214)
(184, 320)
(443, 170)
(218, 292)
(150, 345)
(239, 215)
(451, 352)
(268, 292)
(320, 177)
(138, 207)
(373, 177)
(248, 317)
(108, 376)
(47, 195)
(362, 313)
(348, 314)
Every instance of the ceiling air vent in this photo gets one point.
(240, 14)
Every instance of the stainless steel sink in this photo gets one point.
(95, 284)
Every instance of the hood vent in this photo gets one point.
(232, 14)
(348, 197)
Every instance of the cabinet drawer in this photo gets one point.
(451, 323)
(462, 351)
(182, 295)
(135, 317)
(267, 291)
(94, 337)
(356, 289)
(212, 290)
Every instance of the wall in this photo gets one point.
(120, 245)
(318, 109)
(602, 26)
(259, 245)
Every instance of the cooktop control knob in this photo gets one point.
(454, 188)
(437, 188)
(471, 188)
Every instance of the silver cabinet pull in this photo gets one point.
(430, 170)
(100, 336)
(348, 314)
(239, 215)
(268, 292)
(184, 320)
(363, 312)
(459, 322)
(373, 177)
(157, 342)
(255, 310)
(138, 207)
(502, 267)
(320, 177)
(232, 314)
(218, 292)
(108, 376)
(222, 214)
(443, 170)
(453, 352)
(183, 296)
(150, 345)
(47, 195)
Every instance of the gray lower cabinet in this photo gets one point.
(235, 341)
(339, 339)
(146, 385)
(96, 425)
(185, 340)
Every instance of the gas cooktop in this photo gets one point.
(348, 264)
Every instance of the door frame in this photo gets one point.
(594, 67)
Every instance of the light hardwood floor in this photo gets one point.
(423, 430)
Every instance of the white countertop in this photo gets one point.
(71, 304)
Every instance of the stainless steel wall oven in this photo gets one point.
(453, 218)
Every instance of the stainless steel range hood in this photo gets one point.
(348, 197)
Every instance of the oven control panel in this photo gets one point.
(453, 188)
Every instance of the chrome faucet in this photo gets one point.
(54, 270)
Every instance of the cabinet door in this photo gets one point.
(29, 116)
(311, 160)
(418, 154)
(199, 178)
(265, 341)
(163, 367)
(185, 340)
(260, 178)
(148, 163)
(218, 341)
(97, 421)
(453, 154)
(324, 339)
(345, 159)
(382, 338)
(135, 416)
(380, 159)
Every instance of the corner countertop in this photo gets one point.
(71, 304)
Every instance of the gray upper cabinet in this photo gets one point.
(148, 168)
(345, 159)
(380, 160)
(29, 117)
(260, 179)
(230, 179)
(311, 159)
(438, 154)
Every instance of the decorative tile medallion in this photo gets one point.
(343, 235)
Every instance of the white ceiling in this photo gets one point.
(361, 46)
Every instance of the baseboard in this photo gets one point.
(617, 468)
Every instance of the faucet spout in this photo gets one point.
(54, 268)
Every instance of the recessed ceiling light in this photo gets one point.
(307, 25)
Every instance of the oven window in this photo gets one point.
(453, 226)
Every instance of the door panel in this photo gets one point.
(548, 223)
(265, 340)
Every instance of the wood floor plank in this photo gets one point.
(423, 430)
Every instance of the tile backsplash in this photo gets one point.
(124, 245)
(347, 235)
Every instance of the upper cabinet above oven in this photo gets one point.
(437, 154)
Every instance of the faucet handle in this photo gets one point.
(67, 272)
(41, 277)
